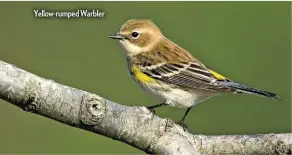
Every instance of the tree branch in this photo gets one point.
(136, 126)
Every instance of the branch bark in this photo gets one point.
(136, 126)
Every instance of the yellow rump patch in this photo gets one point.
(217, 75)
(140, 76)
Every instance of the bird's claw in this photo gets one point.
(183, 125)
(151, 110)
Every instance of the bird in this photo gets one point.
(170, 72)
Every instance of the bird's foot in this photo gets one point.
(183, 125)
(151, 109)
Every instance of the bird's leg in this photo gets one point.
(151, 108)
(181, 122)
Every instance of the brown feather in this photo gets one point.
(133, 24)
(165, 51)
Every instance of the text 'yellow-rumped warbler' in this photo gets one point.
(170, 72)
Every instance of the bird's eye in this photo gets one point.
(135, 35)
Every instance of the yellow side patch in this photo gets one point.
(140, 76)
(217, 75)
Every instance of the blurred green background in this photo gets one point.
(246, 41)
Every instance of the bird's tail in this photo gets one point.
(249, 90)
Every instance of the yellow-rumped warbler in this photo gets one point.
(170, 72)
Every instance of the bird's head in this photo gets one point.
(138, 35)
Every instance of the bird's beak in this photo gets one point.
(116, 36)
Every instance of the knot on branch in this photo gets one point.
(31, 102)
(92, 109)
(282, 148)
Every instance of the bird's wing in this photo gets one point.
(172, 64)
(187, 74)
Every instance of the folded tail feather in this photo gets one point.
(249, 90)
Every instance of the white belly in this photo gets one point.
(176, 97)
